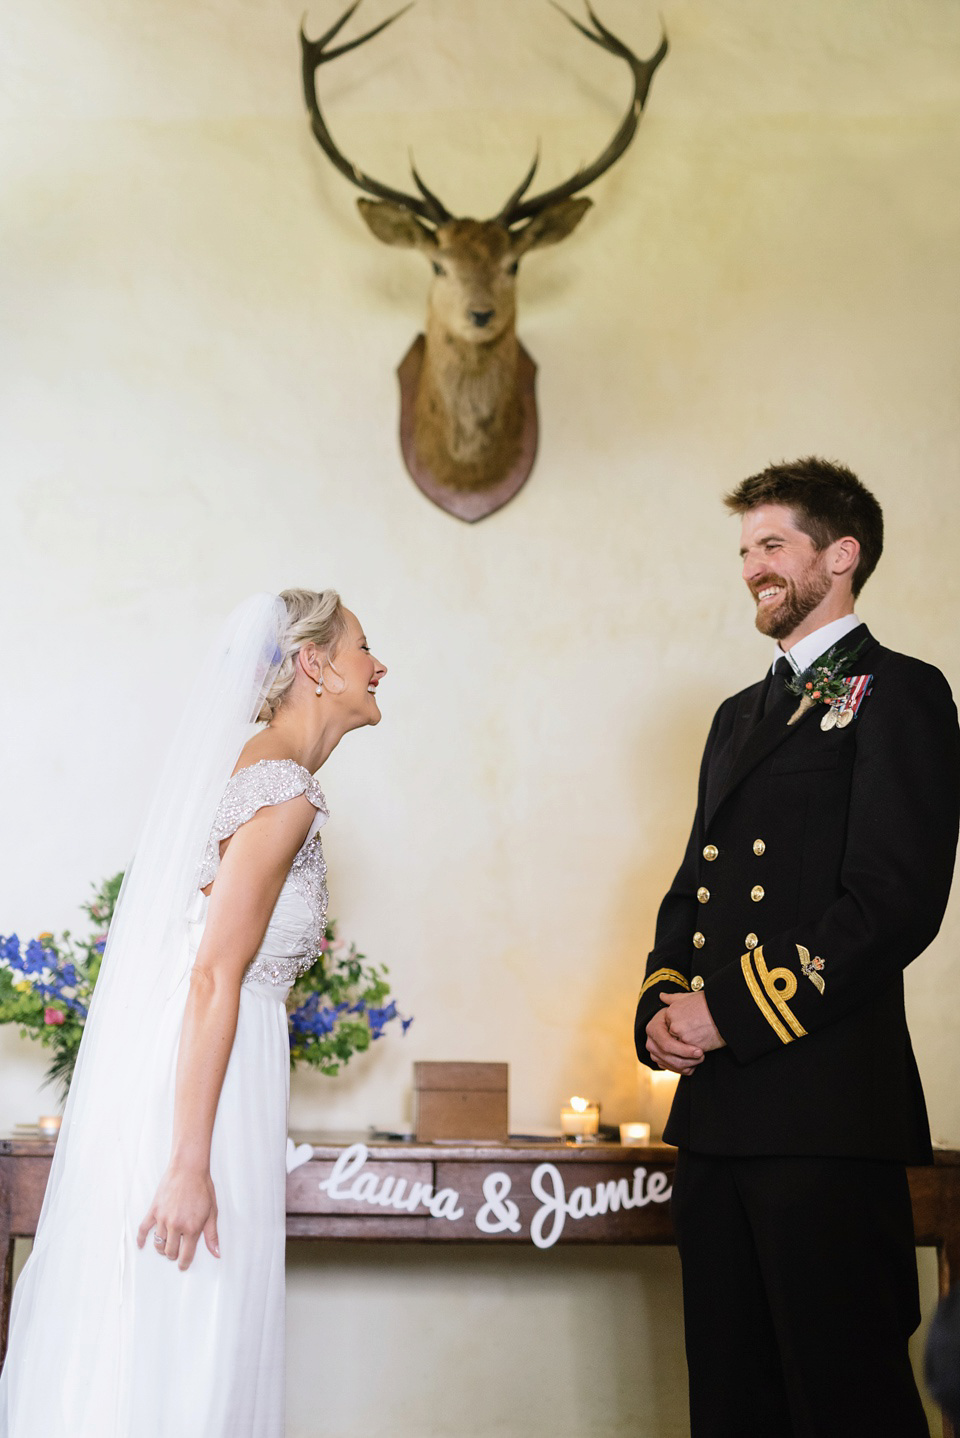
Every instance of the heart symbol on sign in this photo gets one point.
(298, 1154)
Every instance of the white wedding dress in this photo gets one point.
(146, 1351)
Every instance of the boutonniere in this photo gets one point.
(828, 682)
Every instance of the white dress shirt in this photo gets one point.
(806, 650)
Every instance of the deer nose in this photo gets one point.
(481, 318)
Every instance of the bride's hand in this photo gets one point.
(184, 1207)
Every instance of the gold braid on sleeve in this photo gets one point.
(663, 976)
(770, 989)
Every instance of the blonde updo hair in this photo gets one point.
(313, 617)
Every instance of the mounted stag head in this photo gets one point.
(468, 424)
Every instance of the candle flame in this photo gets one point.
(579, 1105)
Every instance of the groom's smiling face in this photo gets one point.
(784, 571)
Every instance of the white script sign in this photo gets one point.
(351, 1182)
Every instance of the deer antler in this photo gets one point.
(315, 54)
(643, 72)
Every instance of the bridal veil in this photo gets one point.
(68, 1317)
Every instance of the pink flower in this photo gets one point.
(54, 1016)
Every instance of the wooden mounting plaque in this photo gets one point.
(469, 505)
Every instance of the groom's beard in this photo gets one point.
(800, 598)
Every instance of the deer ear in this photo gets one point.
(553, 225)
(396, 226)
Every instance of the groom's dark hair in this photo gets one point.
(828, 502)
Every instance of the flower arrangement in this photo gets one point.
(824, 682)
(338, 1008)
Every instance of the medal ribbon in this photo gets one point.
(858, 692)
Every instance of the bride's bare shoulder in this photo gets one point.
(265, 745)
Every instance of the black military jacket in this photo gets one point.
(818, 867)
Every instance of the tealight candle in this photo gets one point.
(49, 1124)
(634, 1133)
(580, 1119)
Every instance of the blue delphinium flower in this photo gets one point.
(10, 949)
(379, 1018)
(323, 1022)
(33, 960)
(315, 1017)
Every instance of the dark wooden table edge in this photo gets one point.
(934, 1191)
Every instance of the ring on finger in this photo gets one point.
(159, 1240)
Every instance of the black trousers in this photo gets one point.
(799, 1293)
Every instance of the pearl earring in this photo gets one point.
(319, 689)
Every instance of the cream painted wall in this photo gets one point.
(199, 400)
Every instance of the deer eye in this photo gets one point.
(438, 268)
(513, 266)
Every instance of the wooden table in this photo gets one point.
(518, 1192)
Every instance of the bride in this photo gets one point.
(152, 1303)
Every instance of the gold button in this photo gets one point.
(756, 893)
(698, 940)
(703, 895)
(759, 847)
(696, 983)
(752, 941)
(710, 853)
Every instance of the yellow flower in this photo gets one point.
(44, 935)
(24, 987)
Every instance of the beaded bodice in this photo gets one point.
(292, 941)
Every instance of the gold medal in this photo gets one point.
(845, 718)
(829, 720)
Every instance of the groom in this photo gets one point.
(818, 867)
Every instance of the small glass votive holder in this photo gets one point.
(580, 1121)
(49, 1124)
(635, 1135)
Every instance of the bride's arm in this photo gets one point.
(252, 871)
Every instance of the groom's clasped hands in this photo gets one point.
(680, 1034)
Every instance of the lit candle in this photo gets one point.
(49, 1124)
(580, 1119)
(634, 1134)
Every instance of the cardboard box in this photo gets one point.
(460, 1100)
